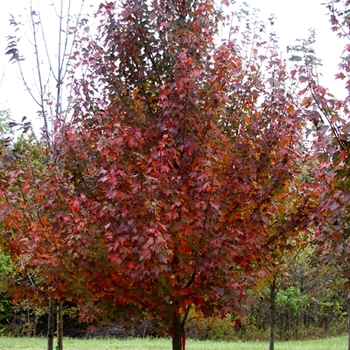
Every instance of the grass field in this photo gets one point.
(336, 343)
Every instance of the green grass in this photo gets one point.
(336, 343)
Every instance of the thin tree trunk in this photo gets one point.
(59, 327)
(50, 325)
(272, 315)
(177, 332)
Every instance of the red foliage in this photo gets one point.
(161, 190)
(331, 150)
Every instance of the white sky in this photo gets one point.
(13, 94)
(293, 19)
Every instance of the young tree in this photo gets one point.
(49, 66)
(329, 117)
(161, 189)
(288, 235)
(44, 73)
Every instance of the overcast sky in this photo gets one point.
(293, 19)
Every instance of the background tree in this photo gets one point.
(18, 154)
(47, 85)
(328, 116)
(5, 262)
(44, 74)
(291, 210)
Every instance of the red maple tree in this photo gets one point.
(158, 194)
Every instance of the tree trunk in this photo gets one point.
(59, 327)
(177, 332)
(272, 315)
(50, 325)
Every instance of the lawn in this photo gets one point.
(336, 343)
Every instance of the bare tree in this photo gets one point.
(51, 35)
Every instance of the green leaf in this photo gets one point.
(295, 58)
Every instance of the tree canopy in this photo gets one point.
(180, 178)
